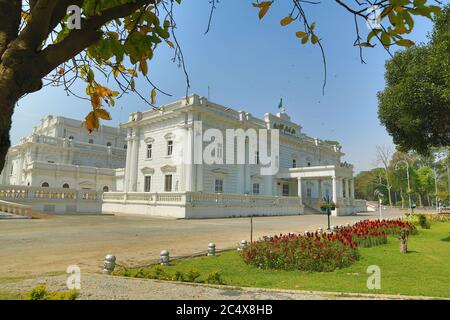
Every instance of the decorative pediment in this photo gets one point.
(168, 168)
(149, 140)
(86, 184)
(169, 136)
(256, 177)
(147, 170)
(219, 171)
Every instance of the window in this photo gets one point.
(309, 164)
(71, 138)
(91, 141)
(256, 188)
(105, 189)
(169, 147)
(257, 157)
(64, 133)
(147, 183)
(125, 146)
(149, 151)
(285, 190)
(66, 186)
(12, 168)
(108, 144)
(308, 192)
(294, 163)
(168, 183)
(218, 186)
(45, 185)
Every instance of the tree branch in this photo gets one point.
(90, 33)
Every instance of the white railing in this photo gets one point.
(15, 208)
(199, 199)
(18, 193)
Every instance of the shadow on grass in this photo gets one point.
(446, 239)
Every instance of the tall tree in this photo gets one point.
(415, 105)
(41, 44)
(383, 158)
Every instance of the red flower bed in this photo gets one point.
(321, 252)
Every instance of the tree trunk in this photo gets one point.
(389, 196)
(5, 127)
(20, 73)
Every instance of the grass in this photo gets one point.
(424, 271)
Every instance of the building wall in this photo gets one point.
(48, 155)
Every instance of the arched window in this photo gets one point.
(91, 141)
(45, 185)
(66, 186)
(105, 189)
(108, 144)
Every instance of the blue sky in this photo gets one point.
(249, 64)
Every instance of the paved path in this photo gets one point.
(33, 247)
(101, 287)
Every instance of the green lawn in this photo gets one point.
(425, 270)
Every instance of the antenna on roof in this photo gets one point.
(209, 89)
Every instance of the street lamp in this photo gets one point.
(436, 189)
(326, 206)
(380, 196)
(409, 186)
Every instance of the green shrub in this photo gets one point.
(38, 293)
(214, 278)
(192, 275)
(423, 222)
(41, 293)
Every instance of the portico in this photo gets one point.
(315, 183)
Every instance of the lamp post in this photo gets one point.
(409, 186)
(380, 196)
(436, 189)
(326, 207)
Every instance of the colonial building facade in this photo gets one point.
(163, 176)
(61, 154)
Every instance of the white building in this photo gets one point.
(156, 182)
(61, 154)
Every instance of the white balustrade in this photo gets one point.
(15, 208)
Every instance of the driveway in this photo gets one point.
(38, 246)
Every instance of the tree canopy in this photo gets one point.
(415, 105)
(109, 42)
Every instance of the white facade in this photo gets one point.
(60, 153)
(156, 182)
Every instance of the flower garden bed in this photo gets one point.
(321, 251)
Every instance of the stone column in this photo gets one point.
(134, 162)
(126, 183)
(299, 187)
(341, 188)
(347, 192)
(352, 188)
(334, 187)
(319, 188)
(189, 178)
(268, 185)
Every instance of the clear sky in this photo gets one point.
(250, 64)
